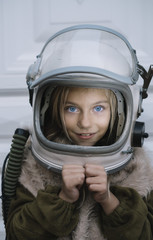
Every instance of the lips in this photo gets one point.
(85, 135)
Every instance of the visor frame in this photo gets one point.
(124, 89)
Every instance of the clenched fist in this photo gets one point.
(73, 178)
(95, 177)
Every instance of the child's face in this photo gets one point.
(86, 115)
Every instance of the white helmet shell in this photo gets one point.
(86, 56)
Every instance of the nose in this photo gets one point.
(84, 120)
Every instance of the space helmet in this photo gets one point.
(87, 56)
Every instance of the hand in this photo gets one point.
(73, 177)
(96, 180)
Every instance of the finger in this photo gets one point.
(73, 168)
(94, 170)
(73, 180)
(99, 188)
(96, 180)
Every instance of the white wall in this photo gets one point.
(25, 26)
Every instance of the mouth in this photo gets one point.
(85, 135)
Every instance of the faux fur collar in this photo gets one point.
(138, 174)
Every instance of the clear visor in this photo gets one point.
(51, 101)
(91, 48)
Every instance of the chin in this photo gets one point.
(86, 144)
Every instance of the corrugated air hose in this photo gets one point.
(12, 169)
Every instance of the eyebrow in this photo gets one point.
(99, 102)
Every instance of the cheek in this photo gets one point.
(69, 120)
(104, 121)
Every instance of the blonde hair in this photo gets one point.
(55, 129)
(113, 108)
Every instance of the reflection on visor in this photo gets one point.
(88, 47)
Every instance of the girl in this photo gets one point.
(84, 175)
(83, 202)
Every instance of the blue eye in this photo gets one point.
(72, 109)
(98, 108)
